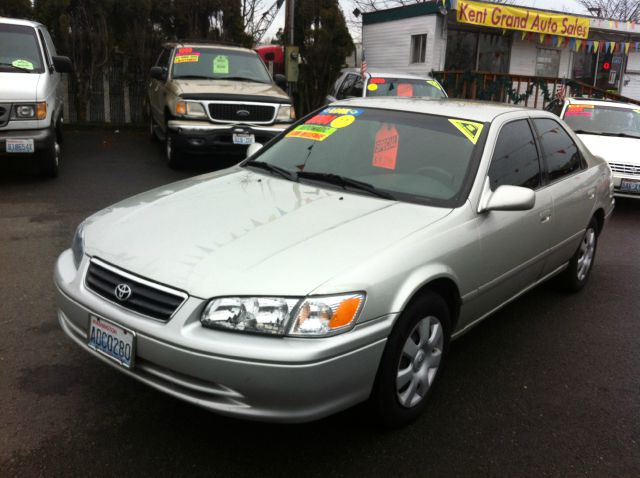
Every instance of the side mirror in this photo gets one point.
(280, 80)
(253, 149)
(511, 198)
(62, 64)
(158, 73)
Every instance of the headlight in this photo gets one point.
(268, 315)
(195, 109)
(30, 111)
(77, 246)
(311, 317)
(286, 114)
(322, 316)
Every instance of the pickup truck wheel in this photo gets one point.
(152, 129)
(172, 154)
(50, 159)
(412, 361)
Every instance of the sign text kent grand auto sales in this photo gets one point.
(514, 18)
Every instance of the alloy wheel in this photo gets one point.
(585, 255)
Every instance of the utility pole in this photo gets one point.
(291, 52)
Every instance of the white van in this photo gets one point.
(31, 112)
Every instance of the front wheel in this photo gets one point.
(412, 361)
(50, 159)
(576, 275)
(172, 154)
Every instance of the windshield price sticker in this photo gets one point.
(332, 120)
(221, 65)
(24, 64)
(372, 87)
(341, 111)
(385, 149)
(185, 51)
(435, 84)
(579, 110)
(312, 132)
(405, 89)
(470, 129)
(190, 58)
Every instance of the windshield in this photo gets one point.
(413, 157)
(19, 50)
(607, 120)
(404, 87)
(219, 64)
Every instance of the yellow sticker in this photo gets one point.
(372, 87)
(636, 111)
(342, 121)
(470, 129)
(312, 132)
(435, 84)
(187, 59)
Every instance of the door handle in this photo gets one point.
(591, 193)
(545, 216)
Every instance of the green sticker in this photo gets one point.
(221, 65)
(27, 65)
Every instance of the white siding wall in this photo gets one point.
(632, 88)
(388, 45)
(523, 58)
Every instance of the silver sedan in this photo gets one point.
(335, 264)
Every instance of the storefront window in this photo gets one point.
(584, 64)
(547, 62)
(609, 70)
(477, 51)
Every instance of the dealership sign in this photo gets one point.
(523, 19)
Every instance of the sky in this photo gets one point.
(347, 7)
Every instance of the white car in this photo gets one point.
(375, 83)
(610, 130)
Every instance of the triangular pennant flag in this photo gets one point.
(613, 46)
(637, 45)
(596, 46)
(578, 45)
(524, 34)
(617, 24)
(541, 37)
(560, 41)
(554, 40)
(626, 48)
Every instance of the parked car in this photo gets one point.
(31, 103)
(376, 83)
(611, 130)
(214, 98)
(334, 265)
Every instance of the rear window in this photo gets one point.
(19, 50)
(379, 86)
(219, 64)
(415, 157)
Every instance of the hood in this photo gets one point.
(613, 149)
(216, 88)
(19, 86)
(240, 232)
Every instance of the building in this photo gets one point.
(461, 35)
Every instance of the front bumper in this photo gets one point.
(42, 139)
(241, 375)
(202, 136)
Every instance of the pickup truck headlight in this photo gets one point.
(77, 246)
(310, 317)
(190, 109)
(30, 111)
(286, 114)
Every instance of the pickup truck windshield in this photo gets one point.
(218, 64)
(409, 156)
(19, 50)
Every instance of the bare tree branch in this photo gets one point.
(624, 10)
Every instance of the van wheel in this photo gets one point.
(412, 361)
(152, 130)
(576, 275)
(172, 154)
(50, 160)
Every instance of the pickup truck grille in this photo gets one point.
(629, 169)
(241, 112)
(145, 297)
(5, 111)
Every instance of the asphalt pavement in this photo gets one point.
(548, 386)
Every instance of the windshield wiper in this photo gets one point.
(344, 182)
(604, 133)
(19, 68)
(286, 174)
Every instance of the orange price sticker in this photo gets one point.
(405, 89)
(385, 150)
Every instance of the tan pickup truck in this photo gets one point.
(211, 98)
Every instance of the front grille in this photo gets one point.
(630, 169)
(146, 298)
(248, 112)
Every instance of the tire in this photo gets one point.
(49, 160)
(152, 130)
(576, 275)
(171, 153)
(412, 361)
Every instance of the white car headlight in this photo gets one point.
(286, 114)
(77, 245)
(311, 317)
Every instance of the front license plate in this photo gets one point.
(630, 186)
(112, 340)
(19, 146)
(243, 138)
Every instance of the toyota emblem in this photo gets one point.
(123, 292)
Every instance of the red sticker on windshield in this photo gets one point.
(385, 150)
(405, 89)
